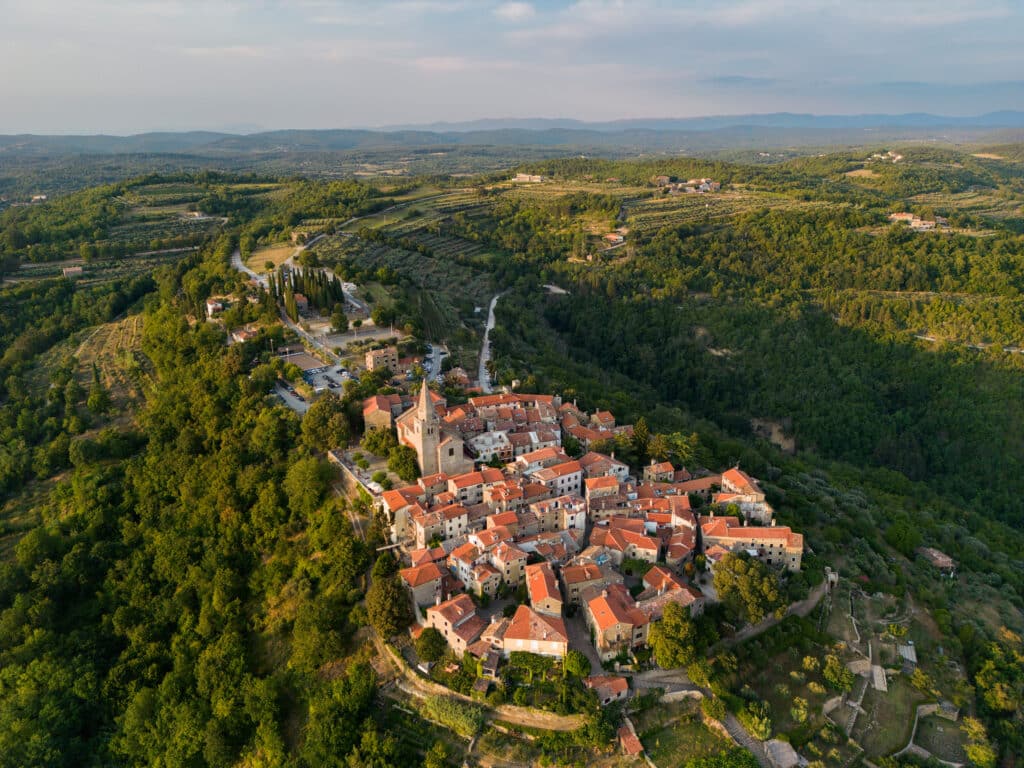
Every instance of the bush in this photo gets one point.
(756, 718)
(713, 708)
(465, 719)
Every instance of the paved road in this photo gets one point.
(239, 265)
(744, 739)
(579, 638)
(485, 349)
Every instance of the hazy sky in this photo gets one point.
(119, 66)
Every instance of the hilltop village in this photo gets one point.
(502, 506)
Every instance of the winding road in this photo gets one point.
(483, 376)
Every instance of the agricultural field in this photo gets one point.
(675, 733)
(648, 216)
(276, 254)
(982, 203)
(97, 271)
(115, 349)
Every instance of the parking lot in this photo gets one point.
(327, 380)
(294, 401)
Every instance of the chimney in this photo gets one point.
(437, 599)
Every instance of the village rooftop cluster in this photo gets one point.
(564, 527)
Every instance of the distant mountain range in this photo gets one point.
(1003, 119)
(636, 135)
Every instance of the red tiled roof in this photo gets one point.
(599, 483)
(612, 685)
(615, 606)
(527, 624)
(459, 608)
(659, 577)
(630, 743)
(740, 480)
(580, 574)
(419, 575)
(541, 583)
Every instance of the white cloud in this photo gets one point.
(515, 12)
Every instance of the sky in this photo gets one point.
(117, 66)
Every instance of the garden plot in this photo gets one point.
(673, 734)
(886, 727)
(942, 737)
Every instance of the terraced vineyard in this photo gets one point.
(648, 216)
(103, 270)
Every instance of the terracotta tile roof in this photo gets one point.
(719, 526)
(699, 484)
(492, 475)
(630, 743)
(607, 686)
(608, 482)
(627, 524)
(458, 609)
(439, 478)
(541, 583)
(466, 480)
(527, 624)
(505, 553)
(466, 553)
(741, 481)
(653, 604)
(502, 518)
(491, 537)
(620, 539)
(730, 528)
(660, 577)
(715, 553)
(485, 572)
(551, 453)
(615, 606)
(419, 575)
(535, 491)
(402, 497)
(421, 556)
(452, 511)
(558, 470)
(662, 467)
(581, 574)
